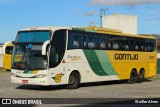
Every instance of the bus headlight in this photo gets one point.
(41, 76)
(13, 75)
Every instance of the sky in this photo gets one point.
(18, 14)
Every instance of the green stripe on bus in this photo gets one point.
(26, 71)
(94, 62)
(105, 62)
(94, 31)
(99, 62)
(78, 29)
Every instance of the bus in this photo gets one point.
(49, 56)
(7, 55)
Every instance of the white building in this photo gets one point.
(125, 23)
(1, 55)
(1, 48)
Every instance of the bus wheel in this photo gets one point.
(74, 81)
(140, 76)
(133, 77)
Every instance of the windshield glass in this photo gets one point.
(28, 57)
(33, 36)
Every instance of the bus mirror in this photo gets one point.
(44, 47)
(29, 46)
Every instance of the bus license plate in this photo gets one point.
(24, 81)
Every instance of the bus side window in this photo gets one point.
(109, 43)
(127, 47)
(115, 43)
(146, 45)
(91, 44)
(85, 43)
(75, 42)
(102, 43)
(152, 45)
(137, 45)
(96, 42)
(140, 46)
(130, 44)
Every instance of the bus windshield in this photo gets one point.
(27, 52)
(33, 36)
(28, 59)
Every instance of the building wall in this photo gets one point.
(125, 23)
(1, 56)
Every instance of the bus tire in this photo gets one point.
(133, 77)
(141, 76)
(74, 81)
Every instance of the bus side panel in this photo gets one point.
(124, 61)
(7, 61)
(152, 70)
(100, 65)
(88, 63)
(152, 64)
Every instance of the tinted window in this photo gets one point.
(103, 42)
(150, 45)
(75, 40)
(87, 40)
(33, 36)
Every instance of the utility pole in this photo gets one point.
(102, 13)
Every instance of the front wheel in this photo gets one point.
(74, 81)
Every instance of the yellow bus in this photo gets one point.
(7, 55)
(73, 55)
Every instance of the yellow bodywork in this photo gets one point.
(7, 59)
(146, 60)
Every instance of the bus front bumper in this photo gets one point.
(30, 81)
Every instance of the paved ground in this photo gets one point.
(148, 89)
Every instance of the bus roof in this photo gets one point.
(111, 31)
(52, 28)
(87, 29)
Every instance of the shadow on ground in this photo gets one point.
(61, 87)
